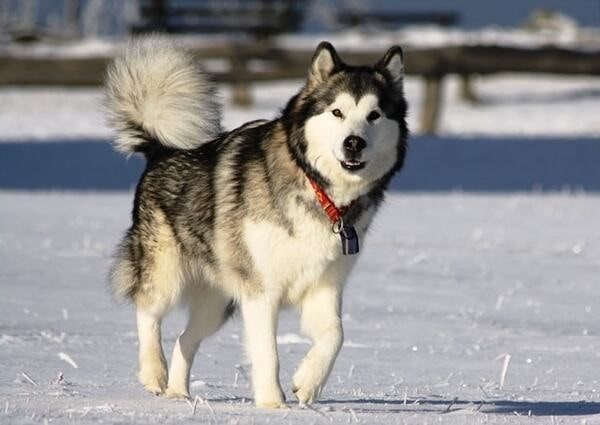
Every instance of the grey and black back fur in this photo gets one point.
(226, 219)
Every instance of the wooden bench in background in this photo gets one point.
(250, 27)
(433, 64)
(250, 22)
(352, 18)
(258, 19)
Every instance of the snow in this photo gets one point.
(99, 47)
(450, 286)
(81, 48)
(563, 34)
(431, 36)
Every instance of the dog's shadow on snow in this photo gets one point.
(445, 406)
(433, 164)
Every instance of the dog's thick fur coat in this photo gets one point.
(226, 219)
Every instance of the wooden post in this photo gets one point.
(431, 104)
(467, 91)
(241, 90)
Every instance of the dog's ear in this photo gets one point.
(325, 62)
(392, 64)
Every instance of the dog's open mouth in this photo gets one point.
(353, 164)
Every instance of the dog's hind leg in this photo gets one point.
(159, 290)
(321, 321)
(153, 366)
(208, 310)
(134, 275)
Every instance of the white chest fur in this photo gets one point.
(290, 261)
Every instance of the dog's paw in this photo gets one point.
(307, 384)
(271, 404)
(177, 394)
(273, 399)
(155, 388)
(154, 379)
(306, 395)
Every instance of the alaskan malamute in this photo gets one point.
(268, 215)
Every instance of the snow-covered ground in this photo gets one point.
(464, 309)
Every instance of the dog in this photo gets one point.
(269, 215)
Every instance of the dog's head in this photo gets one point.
(349, 121)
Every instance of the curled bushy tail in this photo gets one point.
(157, 93)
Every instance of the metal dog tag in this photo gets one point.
(349, 240)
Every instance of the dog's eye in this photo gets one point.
(337, 113)
(373, 116)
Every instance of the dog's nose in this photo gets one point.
(354, 144)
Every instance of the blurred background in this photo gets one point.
(490, 72)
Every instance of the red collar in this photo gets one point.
(334, 213)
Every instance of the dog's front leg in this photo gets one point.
(260, 323)
(321, 321)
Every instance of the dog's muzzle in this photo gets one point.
(353, 147)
